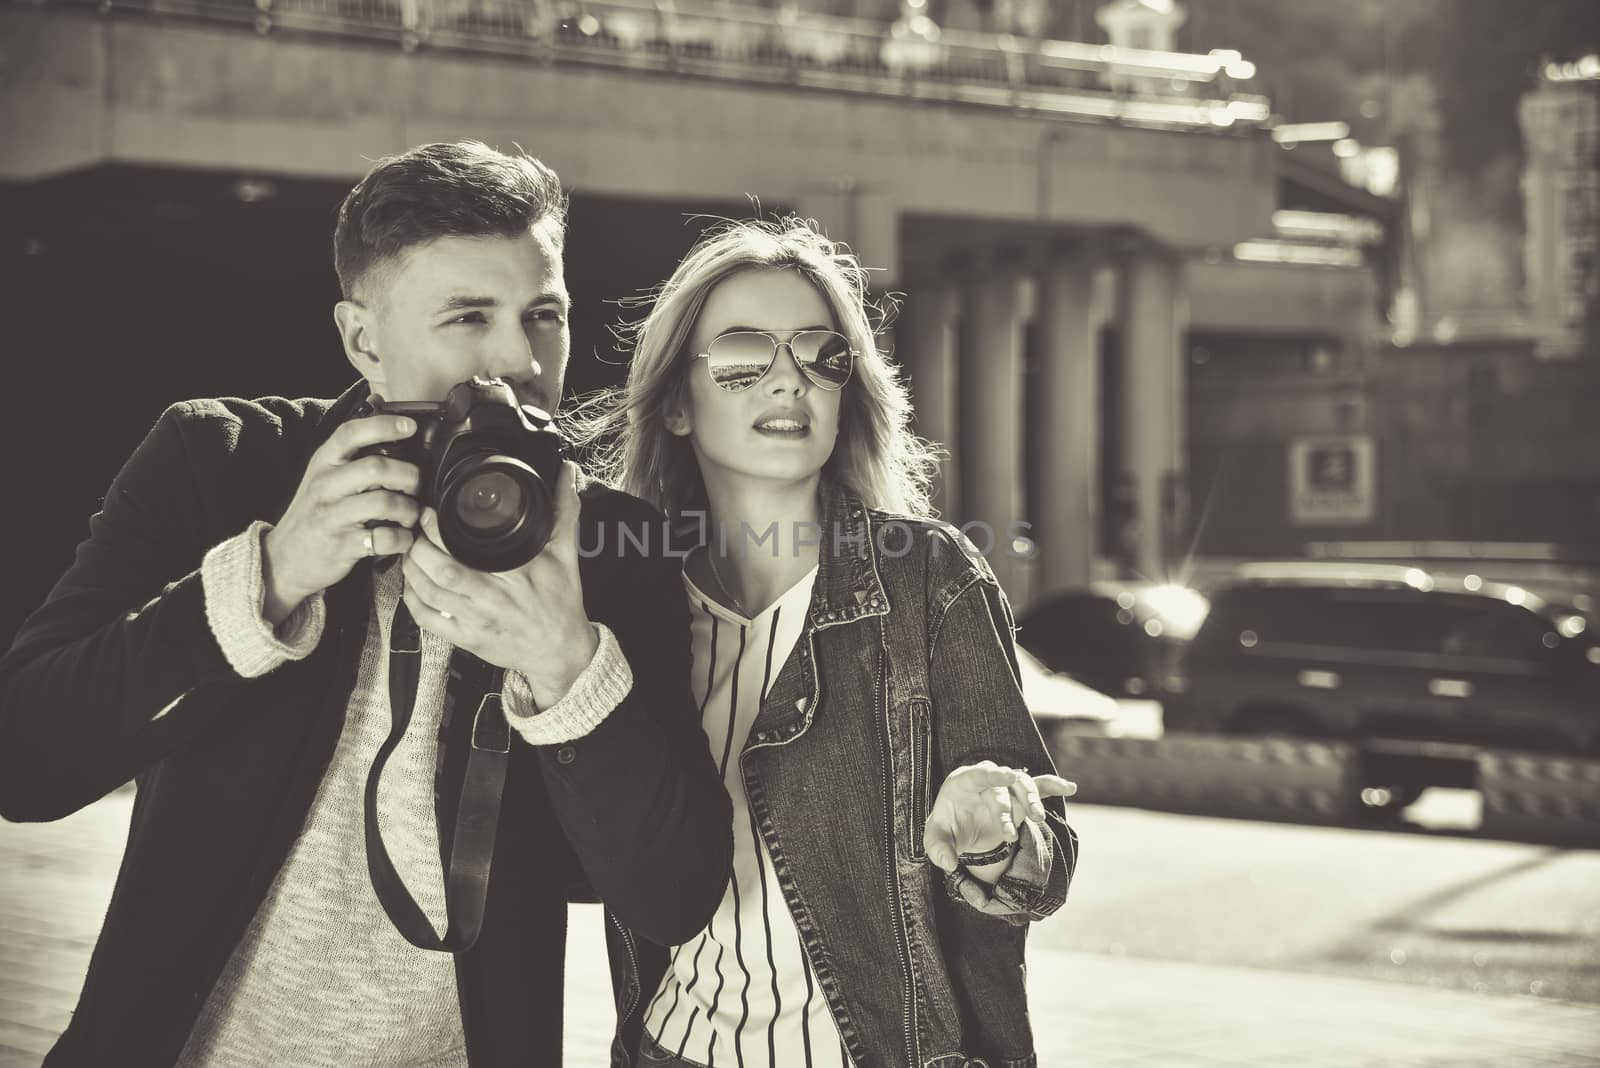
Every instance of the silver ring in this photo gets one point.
(366, 541)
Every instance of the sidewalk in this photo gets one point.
(1089, 1010)
(1111, 1012)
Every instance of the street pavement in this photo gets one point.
(1437, 911)
(1187, 942)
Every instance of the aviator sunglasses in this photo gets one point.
(741, 358)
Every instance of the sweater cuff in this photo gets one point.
(598, 689)
(235, 590)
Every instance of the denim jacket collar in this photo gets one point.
(848, 584)
(848, 588)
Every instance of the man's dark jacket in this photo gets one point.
(118, 677)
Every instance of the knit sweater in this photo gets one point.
(321, 976)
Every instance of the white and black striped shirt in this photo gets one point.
(742, 993)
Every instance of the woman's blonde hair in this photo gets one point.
(876, 454)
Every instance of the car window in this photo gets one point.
(1064, 624)
(1402, 621)
(1495, 629)
(1257, 609)
(1078, 633)
(1393, 620)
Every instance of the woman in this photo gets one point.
(854, 663)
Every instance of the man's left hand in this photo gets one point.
(530, 619)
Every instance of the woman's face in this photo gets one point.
(783, 427)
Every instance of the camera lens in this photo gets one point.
(490, 502)
(495, 511)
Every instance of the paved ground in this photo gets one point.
(1443, 912)
(1095, 1009)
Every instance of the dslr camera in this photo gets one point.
(489, 468)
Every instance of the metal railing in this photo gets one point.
(753, 44)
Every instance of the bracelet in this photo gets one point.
(1003, 851)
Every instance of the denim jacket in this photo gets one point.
(908, 623)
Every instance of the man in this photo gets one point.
(224, 636)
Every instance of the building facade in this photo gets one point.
(1561, 197)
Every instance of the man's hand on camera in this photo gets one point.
(530, 619)
(324, 531)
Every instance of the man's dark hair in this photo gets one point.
(465, 189)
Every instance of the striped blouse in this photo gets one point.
(742, 992)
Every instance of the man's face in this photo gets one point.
(456, 307)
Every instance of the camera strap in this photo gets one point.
(471, 846)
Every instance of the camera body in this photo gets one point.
(489, 467)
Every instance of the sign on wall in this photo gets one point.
(1333, 479)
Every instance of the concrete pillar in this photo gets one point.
(990, 347)
(1152, 315)
(866, 219)
(1067, 492)
(925, 345)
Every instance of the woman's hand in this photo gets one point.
(979, 808)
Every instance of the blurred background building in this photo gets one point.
(1178, 282)
(1561, 191)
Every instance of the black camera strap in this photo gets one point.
(471, 847)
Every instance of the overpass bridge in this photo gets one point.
(1024, 196)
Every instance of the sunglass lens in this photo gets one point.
(824, 356)
(737, 361)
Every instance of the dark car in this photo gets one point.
(1120, 638)
(1374, 652)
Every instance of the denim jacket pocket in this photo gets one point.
(919, 772)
